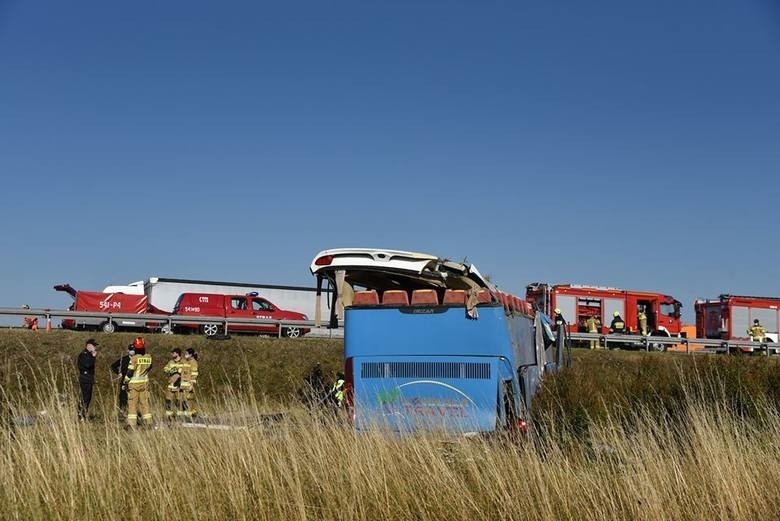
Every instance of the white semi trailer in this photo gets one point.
(164, 292)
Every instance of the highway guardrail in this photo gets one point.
(152, 318)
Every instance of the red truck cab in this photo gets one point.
(250, 306)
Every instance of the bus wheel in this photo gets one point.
(291, 332)
(108, 327)
(209, 329)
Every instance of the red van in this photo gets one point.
(235, 306)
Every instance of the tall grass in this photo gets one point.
(704, 462)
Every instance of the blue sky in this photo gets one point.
(632, 144)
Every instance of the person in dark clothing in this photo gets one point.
(314, 387)
(315, 380)
(119, 368)
(558, 319)
(618, 325)
(86, 366)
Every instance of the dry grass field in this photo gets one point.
(618, 436)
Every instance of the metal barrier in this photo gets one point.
(166, 322)
(708, 345)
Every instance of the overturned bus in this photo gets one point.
(431, 344)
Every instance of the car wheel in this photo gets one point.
(209, 329)
(292, 332)
(108, 327)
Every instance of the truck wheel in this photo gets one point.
(166, 330)
(291, 332)
(108, 327)
(657, 347)
(209, 329)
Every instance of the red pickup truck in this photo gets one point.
(235, 306)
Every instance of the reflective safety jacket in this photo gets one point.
(642, 318)
(590, 325)
(338, 391)
(757, 333)
(617, 325)
(173, 370)
(189, 373)
(138, 370)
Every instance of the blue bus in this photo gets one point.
(431, 344)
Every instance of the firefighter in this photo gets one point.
(337, 392)
(558, 318)
(642, 318)
(591, 327)
(618, 325)
(137, 380)
(119, 368)
(172, 391)
(757, 332)
(189, 380)
(86, 366)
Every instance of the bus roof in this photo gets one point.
(375, 268)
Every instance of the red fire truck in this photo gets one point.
(577, 303)
(729, 316)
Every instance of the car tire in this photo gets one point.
(108, 327)
(292, 332)
(209, 329)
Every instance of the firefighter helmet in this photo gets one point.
(139, 344)
(616, 314)
(755, 321)
(557, 311)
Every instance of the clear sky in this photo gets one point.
(633, 144)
